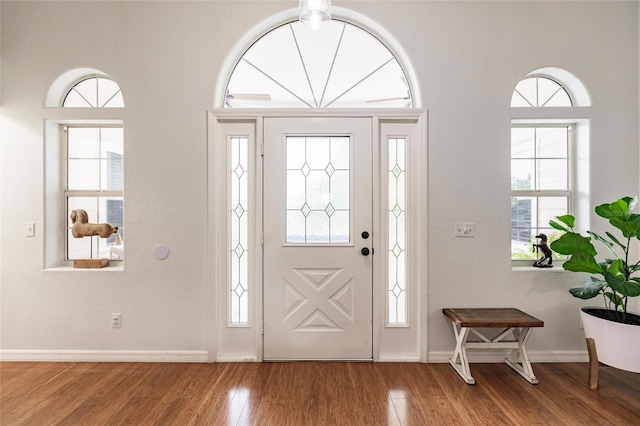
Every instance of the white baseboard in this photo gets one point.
(496, 355)
(103, 356)
(477, 356)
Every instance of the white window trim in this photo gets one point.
(576, 118)
(55, 119)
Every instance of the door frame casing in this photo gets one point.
(231, 342)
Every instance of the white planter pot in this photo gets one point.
(617, 344)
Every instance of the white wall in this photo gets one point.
(166, 57)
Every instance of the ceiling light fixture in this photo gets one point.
(315, 12)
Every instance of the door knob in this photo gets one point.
(365, 251)
(364, 235)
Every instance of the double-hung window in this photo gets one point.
(94, 183)
(542, 163)
(540, 183)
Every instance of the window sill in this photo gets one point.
(114, 266)
(517, 268)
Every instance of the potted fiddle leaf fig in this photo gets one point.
(615, 277)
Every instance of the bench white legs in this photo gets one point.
(518, 360)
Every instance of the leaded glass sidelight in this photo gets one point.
(238, 214)
(397, 282)
(318, 189)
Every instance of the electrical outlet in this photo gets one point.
(465, 230)
(115, 320)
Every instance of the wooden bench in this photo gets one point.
(513, 321)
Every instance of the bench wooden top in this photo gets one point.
(491, 317)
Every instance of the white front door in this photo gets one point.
(317, 203)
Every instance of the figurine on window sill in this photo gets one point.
(546, 252)
(82, 228)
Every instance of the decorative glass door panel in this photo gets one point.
(318, 189)
(317, 224)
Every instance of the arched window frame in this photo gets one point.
(540, 122)
(338, 13)
(63, 126)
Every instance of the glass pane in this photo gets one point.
(295, 152)
(546, 89)
(552, 174)
(396, 296)
(553, 142)
(114, 168)
(340, 190)
(318, 152)
(549, 208)
(75, 100)
(529, 217)
(296, 189)
(527, 89)
(522, 229)
(340, 153)
(517, 100)
(560, 99)
(83, 174)
(296, 226)
(522, 173)
(88, 90)
(317, 227)
(340, 227)
(318, 189)
(83, 142)
(239, 239)
(112, 140)
(107, 90)
(522, 142)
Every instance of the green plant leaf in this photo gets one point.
(588, 289)
(629, 228)
(618, 283)
(615, 267)
(615, 240)
(583, 262)
(558, 226)
(572, 243)
(567, 219)
(618, 209)
(608, 244)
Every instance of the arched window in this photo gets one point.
(94, 92)
(90, 142)
(544, 147)
(540, 91)
(338, 65)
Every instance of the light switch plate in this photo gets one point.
(465, 230)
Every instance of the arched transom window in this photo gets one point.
(338, 65)
(94, 92)
(540, 91)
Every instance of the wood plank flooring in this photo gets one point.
(311, 393)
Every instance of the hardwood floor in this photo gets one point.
(310, 393)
